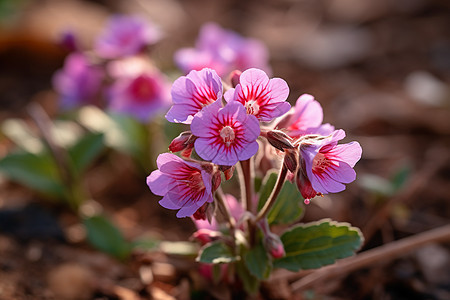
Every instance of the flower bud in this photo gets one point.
(290, 160)
(304, 185)
(234, 78)
(69, 41)
(216, 180)
(279, 140)
(181, 142)
(200, 214)
(227, 171)
(205, 236)
(274, 245)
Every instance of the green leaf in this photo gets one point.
(250, 282)
(216, 253)
(288, 207)
(258, 262)
(121, 132)
(147, 244)
(133, 135)
(103, 235)
(267, 186)
(376, 184)
(85, 151)
(401, 177)
(313, 245)
(37, 171)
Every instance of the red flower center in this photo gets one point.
(320, 163)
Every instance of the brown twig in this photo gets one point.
(385, 253)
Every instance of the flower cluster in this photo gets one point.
(222, 50)
(224, 132)
(116, 74)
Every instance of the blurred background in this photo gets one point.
(380, 69)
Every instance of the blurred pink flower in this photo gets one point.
(142, 95)
(262, 97)
(325, 166)
(124, 36)
(305, 118)
(79, 81)
(222, 50)
(225, 135)
(193, 92)
(185, 185)
(236, 211)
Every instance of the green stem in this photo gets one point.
(224, 208)
(273, 196)
(248, 178)
(74, 191)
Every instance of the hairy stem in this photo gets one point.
(273, 196)
(248, 178)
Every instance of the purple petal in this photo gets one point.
(248, 150)
(225, 157)
(349, 153)
(187, 211)
(165, 158)
(182, 113)
(252, 128)
(279, 90)
(307, 113)
(158, 182)
(203, 120)
(341, 172)
(230, 95)
(205, 148)
(325, 184)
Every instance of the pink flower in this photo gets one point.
(223, 50)
(193, 92)
(124, 36)
(325, 165)
(236, 211)
(262, 97)
(79, 81)
(141, 96)
(225, 135)
(305, 118)
(185, 185)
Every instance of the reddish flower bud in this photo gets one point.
(304, 185)
(272, 242)
(200, 214)
(187, 152)
(234, 78)
(290, 160)
(180, 142)
(279, 140)
(216, 180)
(205, 236)
(274, 245)
(227, 171)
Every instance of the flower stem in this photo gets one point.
(74, 192)
(248, 177)
(273, 196)
(223, 207)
